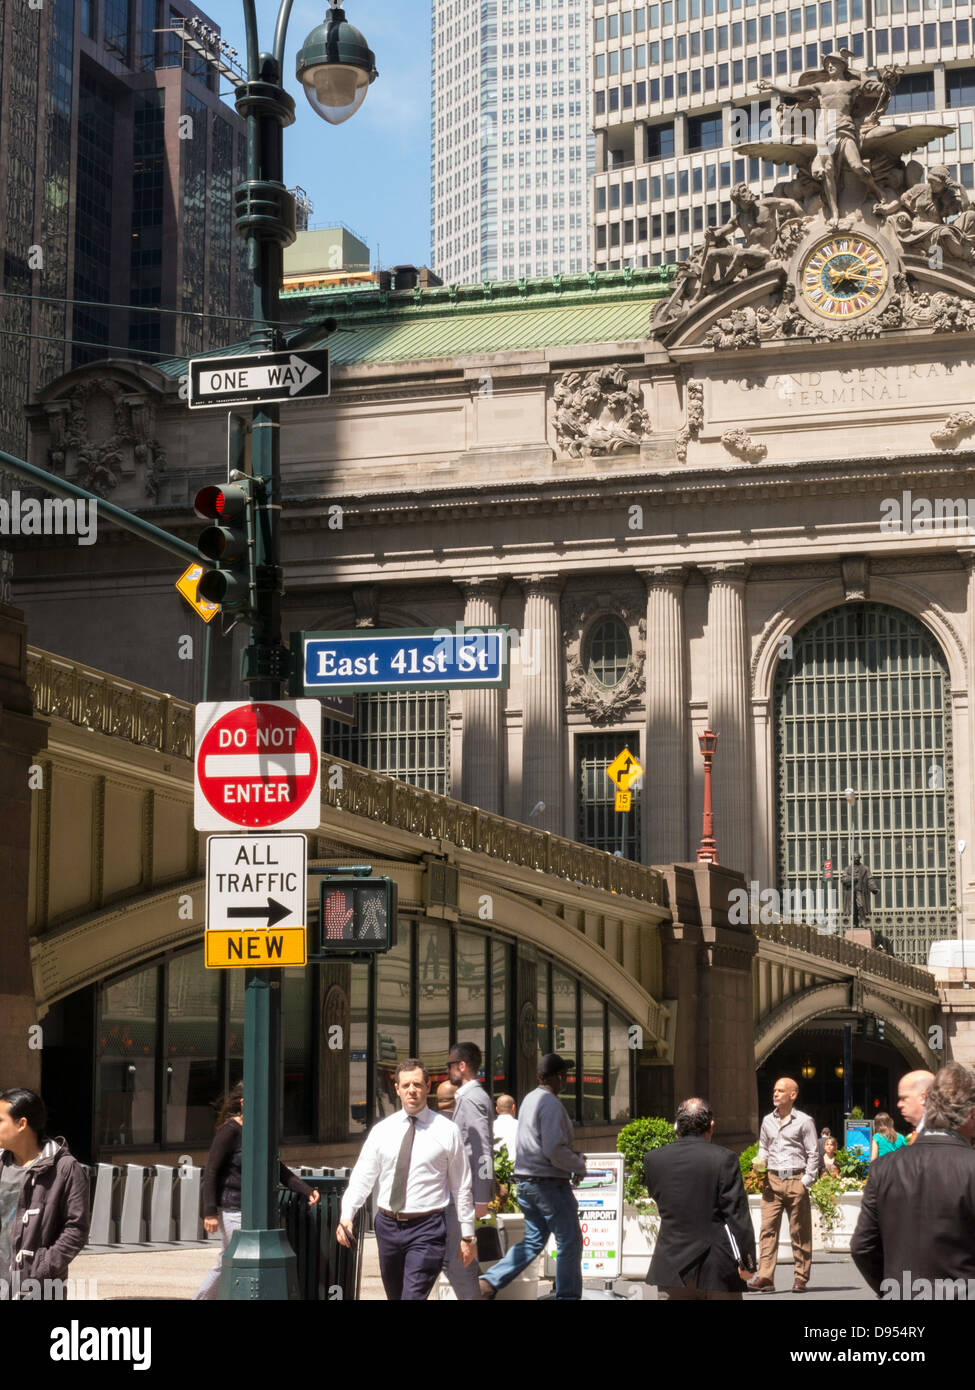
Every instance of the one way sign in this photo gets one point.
(256, 900)
(260, 379)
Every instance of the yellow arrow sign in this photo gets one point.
(624, 769)
(187, 585)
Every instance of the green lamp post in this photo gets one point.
(336, 69)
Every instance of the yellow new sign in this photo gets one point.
(280, 946)
(623, 770)
(187, 585)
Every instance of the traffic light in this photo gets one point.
(228, 544)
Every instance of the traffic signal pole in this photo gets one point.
(259, 1262)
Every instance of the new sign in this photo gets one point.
(255, 901)
(260, 379)
(257, 765)
(402, 658)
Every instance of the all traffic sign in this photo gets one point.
(257, 765)
(258, 379)
(255, 907)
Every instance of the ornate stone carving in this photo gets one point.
(601, 704)
(856, 578)
(957, 425)
(694, 418)
(106, 430)
(740, 443)
(842, 250)
(598, 414)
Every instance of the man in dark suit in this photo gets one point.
(916, 1230)
(473, 1116)
(705, 1247)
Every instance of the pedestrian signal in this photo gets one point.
(356, 915)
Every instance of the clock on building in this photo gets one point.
(843, 275)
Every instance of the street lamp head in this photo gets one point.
(335, 67)
(708, 742)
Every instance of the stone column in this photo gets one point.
(640, 143)
(729, 715)
(940, 87)
(482, 759)
(543, 763)
(666, 758)
(602, 160)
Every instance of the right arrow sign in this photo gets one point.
(255, 913)
(259, 379)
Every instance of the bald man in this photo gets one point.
(446, 1093)
(912, 1092)
(789, 1153)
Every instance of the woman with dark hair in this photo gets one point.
(885, 1137)
(44, 1214)
(221, 1183)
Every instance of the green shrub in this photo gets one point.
(745, 1159)
(636, 1139)
(852, 1165)
(857, 1113)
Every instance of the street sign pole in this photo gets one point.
(260, 1263)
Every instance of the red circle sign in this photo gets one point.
(257, 765)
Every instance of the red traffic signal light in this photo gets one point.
(228, 543)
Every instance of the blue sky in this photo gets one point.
(373, 173)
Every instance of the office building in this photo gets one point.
(510, 144)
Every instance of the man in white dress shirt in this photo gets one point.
(505, 1124)
(418, 1159)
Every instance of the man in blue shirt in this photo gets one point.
(546, 1169)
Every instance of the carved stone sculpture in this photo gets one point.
(598, 414)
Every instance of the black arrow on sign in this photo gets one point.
(274, 912)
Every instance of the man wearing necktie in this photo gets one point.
(419, 1161)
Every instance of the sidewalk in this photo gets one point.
(176, 1271)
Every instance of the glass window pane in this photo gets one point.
(360, 1117)
(564, 1031)
(126, 1045)
(433, 999)
(472, 990)
(620, 1061)
(192, 1081)
(296, 1049)
(593, 1059)
(392, 1019)
(500, 994)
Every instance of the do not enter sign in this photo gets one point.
(257, 765)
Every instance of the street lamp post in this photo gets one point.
(335, 67)
(708, 849)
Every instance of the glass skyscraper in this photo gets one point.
(511, 149)
(666, 79)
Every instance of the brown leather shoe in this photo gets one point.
(760, 1285)
(487, 1290)
(799, 1286)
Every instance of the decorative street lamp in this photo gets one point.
(708, 849)
(808, 1070)
(336, 68)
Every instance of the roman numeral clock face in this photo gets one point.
(843, 277)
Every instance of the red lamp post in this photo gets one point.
(708, 851)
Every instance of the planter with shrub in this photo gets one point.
(640, 1219)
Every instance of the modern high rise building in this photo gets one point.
(666, 80)
(511, 149)
(118, 159)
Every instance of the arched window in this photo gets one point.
(609, 652)
(864, 702)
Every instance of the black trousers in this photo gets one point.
(411, 1255)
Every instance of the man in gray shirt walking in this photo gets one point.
(546, 1169)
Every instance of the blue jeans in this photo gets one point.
(549, 1206)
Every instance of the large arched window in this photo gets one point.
(864, 702)
(609, 652)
